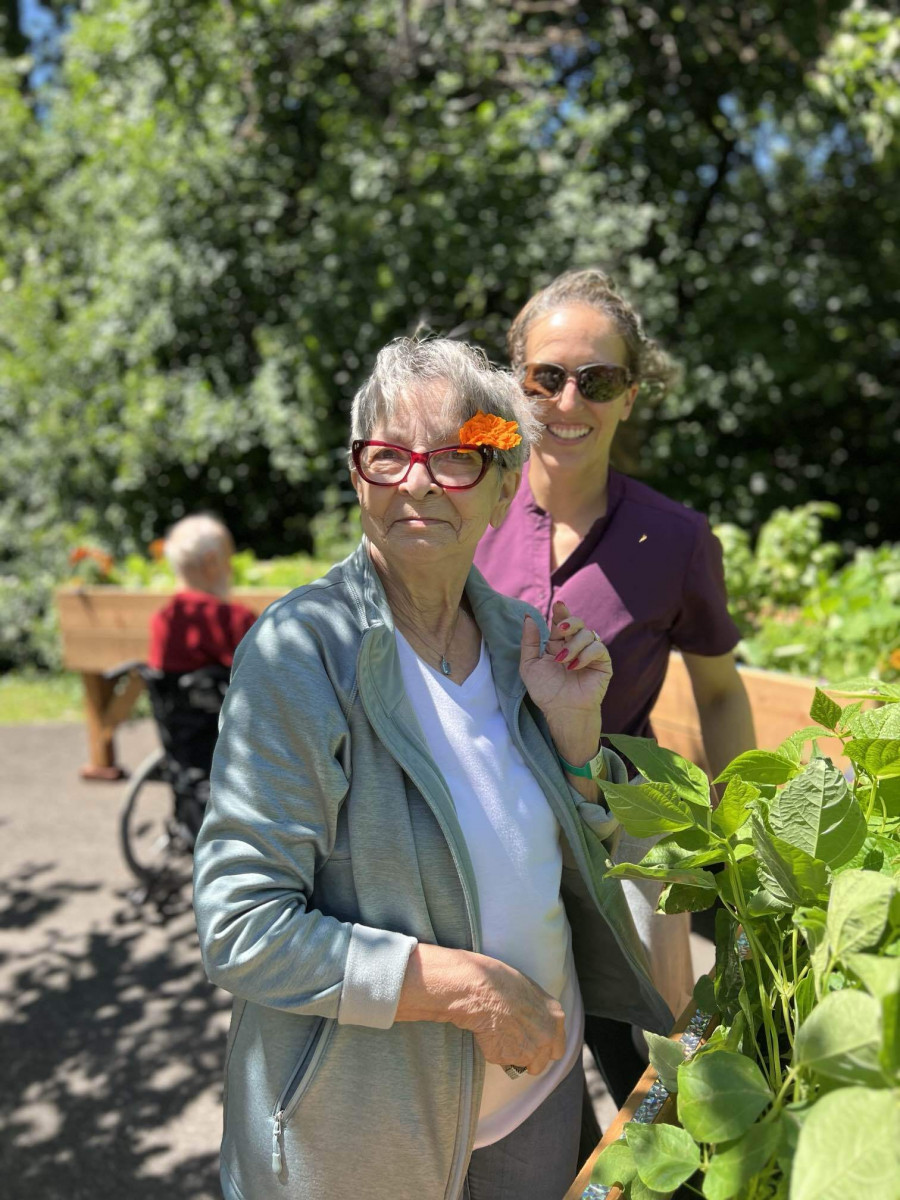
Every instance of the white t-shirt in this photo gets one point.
(513, 840)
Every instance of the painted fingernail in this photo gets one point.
(562, 654)
(565, 625)
(573, 663)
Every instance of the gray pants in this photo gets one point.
(539, 1160)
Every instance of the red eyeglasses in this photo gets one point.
(454, 468)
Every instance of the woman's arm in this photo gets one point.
(726, 721)
(278, 781)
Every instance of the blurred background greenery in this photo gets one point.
(213, 215)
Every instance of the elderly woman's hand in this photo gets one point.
(515, 1022)
(567, 682)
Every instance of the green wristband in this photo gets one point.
(590, 770)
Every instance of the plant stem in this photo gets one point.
(773, 1067)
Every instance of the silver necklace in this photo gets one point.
(446, 668)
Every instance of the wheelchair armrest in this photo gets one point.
(125, 668)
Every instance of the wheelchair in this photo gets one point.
(167, 794)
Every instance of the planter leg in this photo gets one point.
(101, 765)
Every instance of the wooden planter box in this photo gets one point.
(649, 1104)
(780, 705)
(103, 627)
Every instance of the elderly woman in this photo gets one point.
(643, 570)
(401, 873)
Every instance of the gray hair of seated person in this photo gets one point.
(456, 379)
(192, 539)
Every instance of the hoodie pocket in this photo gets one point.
(300, 1079)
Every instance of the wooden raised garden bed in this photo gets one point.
(105, 626)
(649, 1104)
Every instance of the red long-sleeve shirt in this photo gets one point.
(196, 629)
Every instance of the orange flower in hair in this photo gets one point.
(485, 429)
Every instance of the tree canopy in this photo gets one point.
(214, 214)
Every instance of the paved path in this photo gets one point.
(111, 1038)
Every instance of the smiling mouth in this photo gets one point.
(568, 433)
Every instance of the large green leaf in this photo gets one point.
(759, 766)
(666, 1056)
(812, 924)
(889, 797)
(659, 765)
(704, 995)
(858, 911)
(615, 1165)
(818, 813)
(735, 1163)
(881, 722)
(679, 898)
(732, 810)
(720, 1095)
(638, 1190)
(692, 878)
(825, 710)
(849, 1147)
(879, 757)
(786, 871)
(841, 1038)
(648, 808)
(668, 853)
(665, 1156)
(880, 976)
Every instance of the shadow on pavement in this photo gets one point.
(107, 1049)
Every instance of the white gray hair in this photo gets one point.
(406, 367)
(190, 540)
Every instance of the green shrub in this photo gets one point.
(798, 613)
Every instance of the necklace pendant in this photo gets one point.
(445, 666)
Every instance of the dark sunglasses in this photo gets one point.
(598, 382)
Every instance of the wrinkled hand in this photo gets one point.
(515, 1022)
(568, 681)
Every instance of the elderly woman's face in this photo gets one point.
(418, 520)
(577, 432)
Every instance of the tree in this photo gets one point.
(214, 215)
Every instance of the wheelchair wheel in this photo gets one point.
(152, 844)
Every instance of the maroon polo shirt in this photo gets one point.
(647, 577)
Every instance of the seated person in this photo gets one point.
(199, 626)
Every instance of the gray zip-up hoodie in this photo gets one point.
(329, 848)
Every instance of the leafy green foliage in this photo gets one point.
(848, 1147)
(807, 978)
(664, 1155)
(666, 1056)
(735, 1163)
(840, 1039)
(214, 215)
(720, 1095)
(816, 813)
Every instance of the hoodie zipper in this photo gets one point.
(300, 1079)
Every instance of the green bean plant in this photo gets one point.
(796, 1094)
